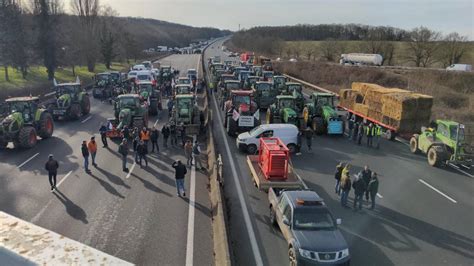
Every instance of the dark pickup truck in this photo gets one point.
(308, 227)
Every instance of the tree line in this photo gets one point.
(424, 48)
(35, 32)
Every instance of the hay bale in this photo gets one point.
(402, 106)
(364, 87)
(375, 114)
(361, 108)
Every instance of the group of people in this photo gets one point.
(359, 130)
(365, 183)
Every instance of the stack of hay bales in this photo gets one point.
(402, 109)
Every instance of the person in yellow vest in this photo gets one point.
(377, 135)
(369, 131)
(145, 136)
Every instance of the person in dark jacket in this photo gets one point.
(165, 131)
(103, 135)
(123, 150)
(85, 154)
(308, 134)
(180, 173)
(350, 125)
(154, 140)
(345, 187)
(356, 131)
(337, 176)
(173, 134)
(135, 142)
(126, 132)
(142, 150)
(182, 134)
(359, 188)
(360, 133)
(366, 175)
(373, 188)
(52, 167)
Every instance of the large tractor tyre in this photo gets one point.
(153, 108)
(318, 126)
(436, 156)
(292, 148)
(3, 144)
(138, 123)
(96, 93)
(414, 145)
(269, 117)
(74, 111)
(27, 137)
(86, 105)
(46, 126)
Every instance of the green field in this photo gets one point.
(400, 52)
(37, 76)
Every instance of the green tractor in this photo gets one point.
(102, 83)
(321, 115)
(284, 110)
(445, 142)
(295, 89)
(279, 83)
(265, 94)
(22, 121)
(166, 74)
(185, 112)
(151, 95)
(71, 101)
(129, 111)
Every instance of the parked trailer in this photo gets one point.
(361, 59)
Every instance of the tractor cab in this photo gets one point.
(284, 101)
(267, 75)
(279, 82)
(229, 85)
(145, 89)
(128, 101)
(116, 77)
(183, 80)
(257, 70)
(224, 77)
(102, 79)
(73, 89)
(237, 71)
(250, 81)
(26, 106)
(183, 89)
(264, 93)
(323, 99)
(184, 109)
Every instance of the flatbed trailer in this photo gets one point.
(259, 180)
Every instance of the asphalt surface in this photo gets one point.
(424, 215)
(136, 217)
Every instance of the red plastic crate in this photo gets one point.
(273, 158)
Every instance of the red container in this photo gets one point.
(273, 158)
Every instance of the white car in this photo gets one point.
(145, 75)
(138, 67)
(132, 74)
(250, 141)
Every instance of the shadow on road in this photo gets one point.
(107, 186)
(151, 186)
(72, 209)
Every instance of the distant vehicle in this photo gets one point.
(232, 54)
(139, 67)
(459, 67)
(145, 75)
(308, 227)
(192, 73)
(132, 75)
(361, 59)
(148, 65)
(250, 141)
(292, 60)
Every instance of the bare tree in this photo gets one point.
(453, 47)
(88, 12)
(329, 49)
(423, 46)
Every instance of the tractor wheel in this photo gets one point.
(86, 105)
(3, 144)
(269, 118)
(292, 148)
(153, 108)
(27, 137)
(414, 145)
(318, 126)
(436, 155)
(252, 149)
(46, 126)
(75, 111)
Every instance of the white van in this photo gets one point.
(459, 67)
(250, 141)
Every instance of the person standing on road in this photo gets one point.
(308, 133)
(360, 133)
(126, 132)
(345, 187)
(145, 136)
(359, 188)
(337, 176)
(373, 188)
(123, 150)
(351, 125)
(154, 140)
(52, 167)
(188, 152)
(173, 134)
(370, 131)
(366, 175)
(135, 142)
(378, 134)
(103, 135)
(356, 132)
(170, 107)
(180, 173)
(142, 150)
(92, 147)
(182, 133)
(165, 131)
(85, 154)
(197, 155)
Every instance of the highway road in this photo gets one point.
(424, 215)
(137, 217)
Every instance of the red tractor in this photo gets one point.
(241, 113)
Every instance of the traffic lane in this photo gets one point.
(182, 62)
(267, 237)
(24, 188)
(405, 201)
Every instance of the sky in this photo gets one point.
(441, 15)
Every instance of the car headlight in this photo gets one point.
(305, 253)
(345, 253)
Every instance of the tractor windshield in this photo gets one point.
(129, 102)
(233, 86)
(184, 90)
(264, 89)
(146, 87)
(18, 107)
(241, 99)
(287, 103)
(292, 88)
(102, 77)
(325, 101)
(184, 103)
(454, 133)
(184, 81)
(66, 89)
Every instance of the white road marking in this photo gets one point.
(192, 198)
(31, 158)
(462, 171)
(248, 224)
(435, 189)
(380, 196)
(157, 120)
(131, 170)
(49, 94)
(465, 166)
(64, 178)
(85, 120)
